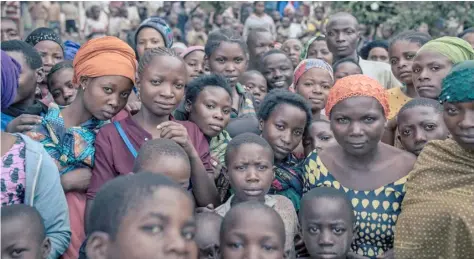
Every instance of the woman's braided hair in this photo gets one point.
(155, 52)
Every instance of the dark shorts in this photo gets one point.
(71, 26)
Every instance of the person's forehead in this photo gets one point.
(276, 59)
(8, 24)
(342, 22)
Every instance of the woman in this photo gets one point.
(293, 48)
(104, 71)
(317, 48)
(50, 47)
(153, 32)
(373, 174)
(376, 50)
(29, 175)
(438, 214)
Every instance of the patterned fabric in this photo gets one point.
(217, 148)
(161, 26)
(437, 219)
(357, 85)
(455, 49)
(13, 174)
(42, 34)
(71, 148)
(376, 211)
(307, 64)
(288, 180)
(396, 99)
(245, 104)
(304, 53)
(458, 85)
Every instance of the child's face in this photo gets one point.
(284, 129)
(28, 78)
(327, 228)
(164, 228)
(319, 49)
(61, 88)
(314, 86)
(419, 125)
(278, 70)
(292, 48)
(176, 168)
(19, 241)
(346, 69)
(149, 38)
(207, 235)
(319, 137)
(285, 22)
(252, 235)
(162, 84)
(229, 60)
(195, 64)
(211, 110)
(257, 86)
(428, 71)
(402, 54)
(250, 170)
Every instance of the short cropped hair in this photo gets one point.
(195, 87)
(425, 102)
(326, 192)
(411, 36)
(261, 65)
(32, 57)
(245, 138)
(155, 148)
(31, 217)
(344, 60)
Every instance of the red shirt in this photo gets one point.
(112, 157)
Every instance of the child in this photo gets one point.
(283, 30)
(23, 233)
(252, 230)
(26, 111)
(419, 121)
(318, 136)
(60, 83)
(327, 222)
(141, 216)
(153, 32)
(293, 48)
(256, 84)
(277, 68)
(164, 156)
(207, 234)
(194, 58)
(284, 117)
(197, 36)
(317, 47)
(346, 67)
(249, 162)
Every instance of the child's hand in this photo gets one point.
(22, 123)
(208, 208)
(178, 133)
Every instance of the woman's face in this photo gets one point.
(319, 49)
(211, 110)
(105, 96)
(61, 87)
(228, 60)
(314, 86)
(378, 54)
(402, 53)
(149, 38)
(293, 48)
(459, 118)
(428, 71)
(161, 85)
(358, 124)
(51, 54)
(195, 64)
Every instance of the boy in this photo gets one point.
(419, 121)
(207, 234)
(142, 216)
(23, 233)
(26, 111)
(197, 36)
(327, 222)
(318, 136)
(256, 84)
(252, 230)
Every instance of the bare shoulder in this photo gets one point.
(402, 159)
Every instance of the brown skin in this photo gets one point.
(293, 48)
(149, 38)
(429, 69)
(319, 49)
(61, 87)
(314, 86)
(195, 64)
(259, 43)
(343, 35)
(207, 234)
(256, 84)
(9, 30)
(346, 69)
(176, 168)
(51, 54)
(402, 54)
(318, 137)
(259, 8)
(278, 70)
(459, 119)
(378, 54)
(469, 37)
(165, 228)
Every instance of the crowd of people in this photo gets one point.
(249, 136)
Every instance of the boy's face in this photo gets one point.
(257, 86)
(253, 235)
(327, 228)
(251, 172)
(28, 77)
(207, 235)
(163, 227)
(419, 125)
(20, 241)
(318, 137)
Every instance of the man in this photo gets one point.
(259, 41)
(259, 19)
(9, 29)
(342, 38)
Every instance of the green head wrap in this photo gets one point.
(458, 85)
(456, 49)
(304, 53)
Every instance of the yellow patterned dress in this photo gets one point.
(376, 211)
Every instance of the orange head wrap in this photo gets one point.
(357, 85)
(106, 56)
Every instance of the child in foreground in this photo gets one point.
(208, 225)
(252, 230)
(23, 233)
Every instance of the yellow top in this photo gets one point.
(396, 99)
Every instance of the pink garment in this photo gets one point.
(77, 206)
(13, 174)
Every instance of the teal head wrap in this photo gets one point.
(458, 86)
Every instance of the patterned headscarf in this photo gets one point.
(458, 86)
(456, 49)
(106, 56)
(308, 64)
(357, 85)
(42, 34)
(11, 70)
(304, 53)
(161, 26)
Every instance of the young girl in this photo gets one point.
(346, 67)
(29, 175)
(104, 70)
(60, 83)
(293, 48)
(284, 117)
(317, 48)
(313, 79)
(153, 32)
(194, 58)
(318, 137)
(161, 80)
